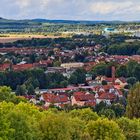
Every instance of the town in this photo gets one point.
(84, 75)
(70, 70)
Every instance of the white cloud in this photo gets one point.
(71, 9)
(109, 7)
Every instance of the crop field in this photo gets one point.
(7, 38)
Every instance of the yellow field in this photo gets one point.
(6, 38)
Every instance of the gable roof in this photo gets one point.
(84, 97)
(107, 96)
(51, 98)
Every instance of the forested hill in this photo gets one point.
(3, 20)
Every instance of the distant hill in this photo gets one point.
(73, 21)
(3, 20)
(39, 25)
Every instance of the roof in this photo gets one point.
(120, 56)
(85, 97)
(90, 103)
(108, 79)
(107, 96)
(122, 79)
(78, 93)
(51, 98)
(22, 66)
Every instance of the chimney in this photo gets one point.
(113, 75)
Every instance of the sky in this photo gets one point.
(126, 10)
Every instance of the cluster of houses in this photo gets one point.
(24, 66)
(23, 50)
(84, 95)
(81, 96)
(66, 58)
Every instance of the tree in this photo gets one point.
(103, 129)
(130, 128)
(137, 72)
(6, 132)
(84, 114)
(109, 113)
(2, 79)
(130, 67)
(57, 64)
(133, 105)
(131, 80)
(32, 81)
(100, 106)
(100, 69)
(22, 129)
(80, 74)
(55, 127)
(104, 82)
(121, 71)
(20, 121)
(73, 79)
(119, 109)
(64, 84)
(21, 90)
(77, 128)
(31, 90)
(6, 94)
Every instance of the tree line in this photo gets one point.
(71, 42)
(124, 48)
(130, 71)
(28, 80)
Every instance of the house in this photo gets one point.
(55, 70)
(22, 67)
(83, 99)
(88, 77)
(135, 58)
(58, 100)
(115, 81)
(62, 90)
(72, 65)
(4, 67)
(120, 81)
(107, 94)
(106, 98)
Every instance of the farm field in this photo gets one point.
(7, 38)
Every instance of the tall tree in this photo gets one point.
(131, 128)
(104, 130)
(133, 106)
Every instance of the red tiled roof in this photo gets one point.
(86, 97)
(90, 103)
(120, 56)
(78, 93)
(107, 96)
(22, 67)
(51, 98)
(109, 79)
(107, 87)
(122, 79)
(3, 67)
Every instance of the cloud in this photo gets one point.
(71, 9)
(109, 7)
